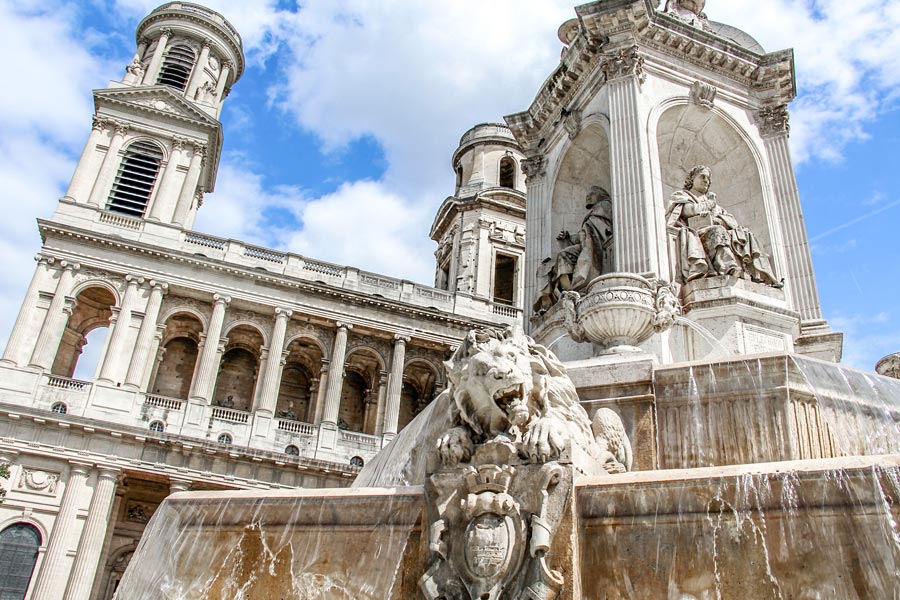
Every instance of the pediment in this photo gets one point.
(160, 100)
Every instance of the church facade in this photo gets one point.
(224, 365)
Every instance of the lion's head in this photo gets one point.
(502, 383)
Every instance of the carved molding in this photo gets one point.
(534, 168)
(36, 481)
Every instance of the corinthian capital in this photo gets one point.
(774, 120)
(626, 62)
(534, 168)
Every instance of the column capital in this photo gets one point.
(179, 485)
(206, 43)
(121, 128)
(134, 280)
(144, 41)
(228, 64)
(773, 120)
(110, 473)
(7, 456)
(81, 468)
(99, 123)
(399, 338)
(534, 168)
(626, 62)
(283, 313)
(221, 299)
(156, 284)
(345, 326)
(166, 32)
(69, 266)
(199, 148)
(44, 259)
(178, 143)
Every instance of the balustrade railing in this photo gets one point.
(506, 311)
(264, 254)
(68, 384)
(120, 221)
(163, 402)
(297, 427)
(324, 268)
(362, 439)
(206, 241)
(232, 416)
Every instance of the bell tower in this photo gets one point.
(156, 141)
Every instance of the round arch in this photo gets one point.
(172, 311)
(98, 283)
(147, 140)
(250, 325)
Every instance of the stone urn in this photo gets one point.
(620, 311)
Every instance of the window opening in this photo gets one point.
(135, 180)
(357, 461)
(176, 69)
(224, 438)
(19, 545)
(504, 279)
(59, 408)
(157, 426)
(292, 450)
(508, 172)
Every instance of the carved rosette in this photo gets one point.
(620, 311)
(774, 120)
(627, 62)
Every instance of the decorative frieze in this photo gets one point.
(36, 481)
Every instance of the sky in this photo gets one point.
(344, 122)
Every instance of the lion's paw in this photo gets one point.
(545, 440)
(455, 446)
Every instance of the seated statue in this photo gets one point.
(710, 240)
(582, 257)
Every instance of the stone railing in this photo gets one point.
(206, 241)
(486, 130)
(363, 439)
(68, 384)
(265, 254)
(505, 310)
(163, 402)
(120, 221)
(297, 427)
(232, 416)
(323, 268)
(203, 11)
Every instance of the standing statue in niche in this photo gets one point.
(583, 256)
(711, 242)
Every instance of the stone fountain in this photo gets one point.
(691, 435)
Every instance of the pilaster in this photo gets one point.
(103, 182)
(18, 349)
(537, 226)
(80, 186)
(152, 73)
(166, 197)
(189, 187)
(55, 322)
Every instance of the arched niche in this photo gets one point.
(178, 359)
(688, 135)
(92, 311)
(238, 371)
(585, 164)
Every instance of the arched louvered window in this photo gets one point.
(176, 69)
(508, 172)
(19, 545)
(135, 180)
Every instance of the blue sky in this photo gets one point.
(342, 127)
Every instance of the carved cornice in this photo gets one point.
(774, 120)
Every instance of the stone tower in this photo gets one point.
(480, 230)
(642, 95)
(156, 140)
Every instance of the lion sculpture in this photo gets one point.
(508, 389)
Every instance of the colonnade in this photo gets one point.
(135, 336)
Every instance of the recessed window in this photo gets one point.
(508, 172)
(19, 545)
(292, 450)
(59, 408)
(504, 279)
(135, 180)
(176, 69)
(357, 461)
(157, 426)
(224, 438)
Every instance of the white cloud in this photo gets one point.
(867, 339)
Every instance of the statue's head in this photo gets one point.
(596, 195)
(694, 6)
(689, 181)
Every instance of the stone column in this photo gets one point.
(179, 485)
(271, 376)
(110, 369)
(537, 224)
(633, 220)
(309, 415)
(51, 580)
(144, 344)
(208, 363)
(18, 349)
(189, 187)
(55, 322)
(152, 73)
(93, 535)
(800, 283)
(86, 170)
(197, 72)
(336, 374)
(319, 407)
(106, 176)
(223, 80)
(166, 197)
(382, 399)
(395, 386)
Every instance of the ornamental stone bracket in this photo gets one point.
(703, 94)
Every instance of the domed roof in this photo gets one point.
(742, 38)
